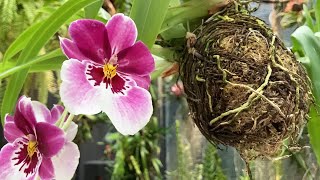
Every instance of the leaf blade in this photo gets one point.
(148, 16)
(92, 10)
(40, 60)
(304, 40)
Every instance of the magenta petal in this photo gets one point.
(89, 36)
(66, 161)
(41, 112)
(24, 117)
(142, 81)
(56, 112)
(131, 112)
(50, 139)
(8, 169)
(77, 93)
(46, 171)
(71, 50)
(11, 132)
(8, 118)
(136, 60)
(122, 32)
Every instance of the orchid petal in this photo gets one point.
(89, 36)
(77, 94)
(71, 50)
(56, 113)
(10, 171)
(66, 161)
(41, 112)
(12, 132)
(71, 131)
(142, 81)
(50, 139)
(46, 171)
(131, 112)
(121, 32)
(8, 118)
(24, 117)
(136, 59)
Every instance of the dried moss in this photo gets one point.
(244, 87)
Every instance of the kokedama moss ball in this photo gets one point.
(244, 87)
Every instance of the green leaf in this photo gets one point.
(174, 3)
(92, 10)
(148, 16)
(314, 131)
(317, 15)
(309, 20)
(110, 137)
(162, 57)
(178, 31)
(304, 40)
(50, 64)
(187, 11)
(44, 60)
(156, 163)
(37, 41)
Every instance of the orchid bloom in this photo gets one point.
(36, 146)
(107, 71)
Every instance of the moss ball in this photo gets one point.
(244, 87)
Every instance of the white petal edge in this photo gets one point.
(128, 113)
(71, 131)
(66, 161)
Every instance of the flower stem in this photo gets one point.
(59, 123)
(68, 122)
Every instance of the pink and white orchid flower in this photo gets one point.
(107, 71)
(36, 146)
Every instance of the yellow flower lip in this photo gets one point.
(32, 148)
(109, 70)
(32, 145)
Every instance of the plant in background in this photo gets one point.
(15, 16)
(306, 46)
(212, 164)
(209, 168)
(137, 156)
(185, 169)
(123, 6)
(292, 13)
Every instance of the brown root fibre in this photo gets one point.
(244, 87)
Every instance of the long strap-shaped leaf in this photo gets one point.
(148, 16)
(317, 15)
(10, 69)
(304, 39)
(38, 40)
